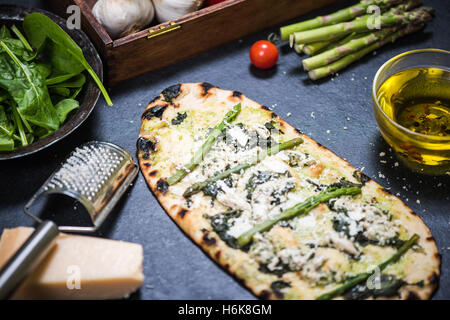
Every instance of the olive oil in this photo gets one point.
(419, 100)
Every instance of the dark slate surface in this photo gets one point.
(174, 267)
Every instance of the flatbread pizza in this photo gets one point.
(280, 212)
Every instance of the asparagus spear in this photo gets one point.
(332, 55)
(321, 46)
(299, 209)
(406, 6)
(344, 40)
(198, 156)
(364, 276)
(299, 48)
(349, 59)
(341, 29)
(197, 187)
(315, 47)
(338, 16)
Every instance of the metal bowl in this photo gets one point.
(10, 14)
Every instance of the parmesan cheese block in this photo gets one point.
(78, 267)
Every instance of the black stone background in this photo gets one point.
(174, 267)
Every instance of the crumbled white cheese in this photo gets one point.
(343, 244)
(241, 225)
(275, 165)
(366, 218)
(282, 155)
(307, 221)
(293, 257)
(263, 197)
(239, 135)
(230, 198)
(262, 131)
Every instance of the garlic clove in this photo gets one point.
(167, 10)
(123, 17)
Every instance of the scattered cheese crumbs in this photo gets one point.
(383, 161)
(288, 114)
(148, 286)
(365, 78)
(345, 128)
(396, 164)
(382, 154)
(313, 115)
(382, 176)
(328, 131)
(418, 201)
(348, 118)
(362, 169)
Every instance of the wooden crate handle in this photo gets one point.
(152, 33)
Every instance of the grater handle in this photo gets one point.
(28, 256)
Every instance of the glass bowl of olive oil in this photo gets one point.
(411, 103)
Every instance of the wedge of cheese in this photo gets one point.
(78, 267)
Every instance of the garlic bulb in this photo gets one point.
(123, 17)
(171, 9)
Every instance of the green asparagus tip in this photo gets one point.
(364, 276)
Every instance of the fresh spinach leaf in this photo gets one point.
(61, 61)
(6, 130)
(26, 86)
(59, 78)
(60, 91)
(75, 82)
(5, 33)
(43, 68)
(64, 107)
(38, 27)
(21, 38)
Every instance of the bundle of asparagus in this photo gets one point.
(341, 38)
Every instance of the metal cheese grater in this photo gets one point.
(95, 174)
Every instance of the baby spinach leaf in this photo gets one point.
(56, 79)
(75, 82)
(64, 107)
(38, 27)
(26, 86)
(61, 61)
(7, 135)
(60, 91)
(6, 143)
(44, 69)
(21, 38)
(16, 46)
(4, 33)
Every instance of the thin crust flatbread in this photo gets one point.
(171, 131)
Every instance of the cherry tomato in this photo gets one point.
(263, 54)
(213, 2)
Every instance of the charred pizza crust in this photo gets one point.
(156, 150)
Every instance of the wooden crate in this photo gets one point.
(189, 35)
